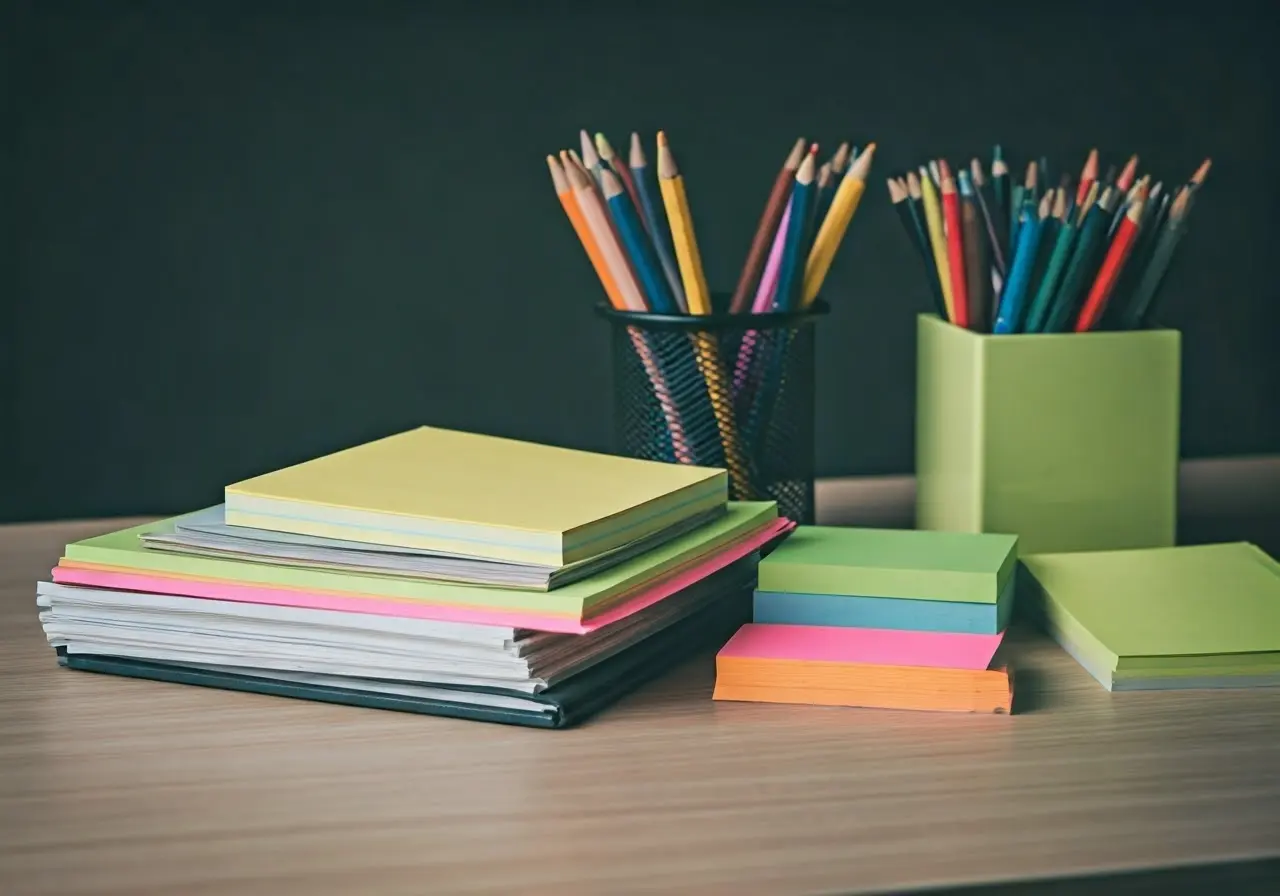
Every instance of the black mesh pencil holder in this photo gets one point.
(734, 391)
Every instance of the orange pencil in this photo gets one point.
(1117, 254)
(564, 192)
(569, 201)
(955, 244)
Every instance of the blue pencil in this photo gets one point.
(1012, 300)
(636, 242)
(655, 223)
(791, 271)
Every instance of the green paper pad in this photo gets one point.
(124, 549)
(560, 706)
(1198, 616)
(892, 563)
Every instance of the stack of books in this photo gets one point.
(882, 618)
(1202, 616)
(432, 571)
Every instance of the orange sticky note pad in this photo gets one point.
(874, 668)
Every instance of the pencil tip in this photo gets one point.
(603, 147)
(662, 138)
(998, 155)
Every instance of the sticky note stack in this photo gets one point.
(883, 618)
(1202, 616)
(432, 571)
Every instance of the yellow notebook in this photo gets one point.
(478, 496)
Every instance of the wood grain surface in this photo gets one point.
(110, 785)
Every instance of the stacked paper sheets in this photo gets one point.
(480, 607)
(1204, 616)
(877, 618)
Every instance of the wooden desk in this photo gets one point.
(109, 785)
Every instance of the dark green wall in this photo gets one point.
(237, 235)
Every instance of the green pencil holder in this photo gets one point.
(1069, 441)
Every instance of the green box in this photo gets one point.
(1069, 441)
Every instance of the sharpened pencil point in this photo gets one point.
(637, 159)
(603, 147)
(662, 138)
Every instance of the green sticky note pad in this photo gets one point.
(1068, 440)
(1183, 611)
(894, 563)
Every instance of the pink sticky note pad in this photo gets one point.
(872, 646)
(141, 581)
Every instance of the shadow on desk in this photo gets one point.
(1222, 879)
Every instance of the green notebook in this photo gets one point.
(123, 551)
(902, 563)
(1197, 616)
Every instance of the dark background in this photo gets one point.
(239, 235)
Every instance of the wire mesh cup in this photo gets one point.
(734, 391)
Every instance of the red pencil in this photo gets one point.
(1087, 176)
(1117, 254)
(1127, 175)
(955, 245)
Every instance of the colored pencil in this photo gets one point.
(1009, 317)
(637, 244)
(706, 351)
(590, 156)
(1096, 301)
(1049, 227)
(988, 219)
(977, 267)
(791, 271)
(774, 207)
(1148, 290)
(1038, 313)
(655, 223)
(1121, 311)
(768, 288)
(908, 207)
(840, 160)
(937, 241)
(602, 232)
(680, 219)
(569, 202)
(1000, 212)
(611, 162)
(824, 188)
(564, 192)
(1090, 244)
(955, 246)
(834, 226)
(1128, 174)
(1088, 175)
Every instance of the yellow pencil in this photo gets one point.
(680, 220)
(706, 351)
(937, 242)
(834, 225)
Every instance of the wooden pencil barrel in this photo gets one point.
(721, 390)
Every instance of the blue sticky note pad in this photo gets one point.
(852, 611)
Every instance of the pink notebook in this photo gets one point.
(872, 646)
